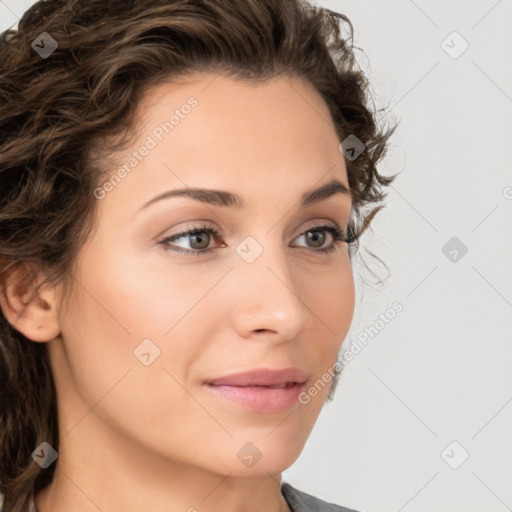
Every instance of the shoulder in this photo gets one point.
(300, 501)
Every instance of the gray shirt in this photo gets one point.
(299, 501)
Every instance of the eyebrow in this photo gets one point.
(229, 199)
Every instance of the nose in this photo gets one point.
(268, 299)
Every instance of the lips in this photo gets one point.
(263, 377)
(262, 390)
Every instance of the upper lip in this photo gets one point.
(261, 377)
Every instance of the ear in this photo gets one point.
(28, 305)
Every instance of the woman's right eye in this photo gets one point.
(198, 234)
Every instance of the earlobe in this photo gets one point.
(28, 305)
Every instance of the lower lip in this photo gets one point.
(260, 398)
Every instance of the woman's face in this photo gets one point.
(148, 325)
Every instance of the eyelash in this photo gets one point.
(339, 236)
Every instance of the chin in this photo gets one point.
(256, 456)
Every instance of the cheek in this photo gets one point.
(120, 302)
(109, 317)
(331, 300)
(145, 297)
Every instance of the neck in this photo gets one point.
(94, 486)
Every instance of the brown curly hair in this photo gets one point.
(57, 111)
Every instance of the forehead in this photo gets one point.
(211, 130)
(280, 112)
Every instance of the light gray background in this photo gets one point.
(440, 371)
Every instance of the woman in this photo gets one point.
(183, 184)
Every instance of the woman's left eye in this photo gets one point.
(200, 237)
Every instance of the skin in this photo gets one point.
(136, 437)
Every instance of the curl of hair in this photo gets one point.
(56, 114)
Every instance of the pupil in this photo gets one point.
(199, 236)
(314, 236)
